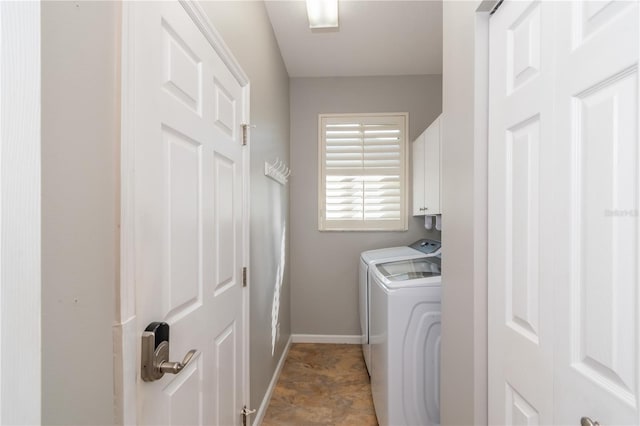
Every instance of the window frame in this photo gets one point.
(364, 225)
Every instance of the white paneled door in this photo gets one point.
(188, 208)
(521, 154)
(564, 189)
(597, 352)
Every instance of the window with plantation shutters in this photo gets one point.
(362, 182)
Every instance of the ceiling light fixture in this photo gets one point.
(322, 13)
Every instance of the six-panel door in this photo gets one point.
(188, 216)
(563, 213)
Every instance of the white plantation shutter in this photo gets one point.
(363, 172)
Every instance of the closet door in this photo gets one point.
(521, 187)
(596, 361)
(563, 213)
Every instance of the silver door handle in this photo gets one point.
(586, 421)
(155, 353)
(176, 367)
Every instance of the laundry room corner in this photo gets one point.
(324, 294)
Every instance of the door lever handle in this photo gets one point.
(176, 367)
(586, 421)
(155, 353)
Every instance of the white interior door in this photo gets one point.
(521, 151)
(597, 352)
(188, 216)
(563, 213)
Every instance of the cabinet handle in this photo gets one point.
(423, 209)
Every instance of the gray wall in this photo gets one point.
(463, 390)
(324, 265)
(247, 31)
(80, 155)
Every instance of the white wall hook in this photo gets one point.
(277, 170)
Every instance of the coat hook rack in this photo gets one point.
(277, 170)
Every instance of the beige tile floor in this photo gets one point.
(322, 384)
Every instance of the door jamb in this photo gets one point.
(125, 329)
(481, 145)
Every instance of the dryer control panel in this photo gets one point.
(427, 246)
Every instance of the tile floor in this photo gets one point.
(322, 384)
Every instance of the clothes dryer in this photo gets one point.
(405, 341)
(420, 248)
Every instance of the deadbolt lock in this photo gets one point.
(155, 353)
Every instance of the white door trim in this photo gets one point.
(481, 144)
(125, 331)
(20, 211)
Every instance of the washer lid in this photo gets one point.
(390, 253)
(413, 269)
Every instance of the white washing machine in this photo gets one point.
(405, 341)
(420, 248)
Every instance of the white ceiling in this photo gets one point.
(381, 37)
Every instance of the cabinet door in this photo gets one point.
(418, 175)
(432, 169)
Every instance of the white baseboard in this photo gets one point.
(272, 385)
(326, 338)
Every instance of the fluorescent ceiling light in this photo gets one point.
(322, 13)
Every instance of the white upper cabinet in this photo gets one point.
(426, 171)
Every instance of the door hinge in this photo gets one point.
(244, 276)
(246, 413)
(245, 131)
